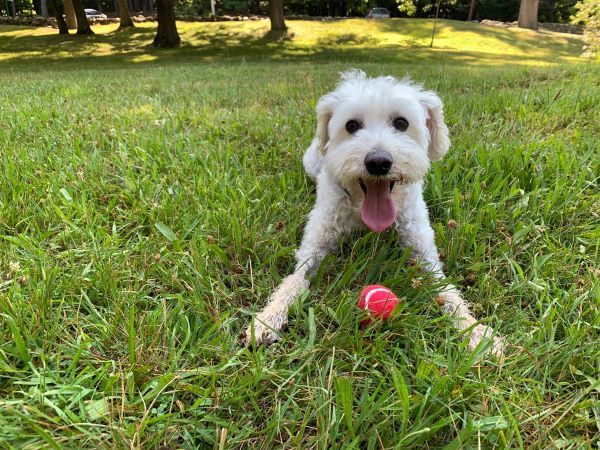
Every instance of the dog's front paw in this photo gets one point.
(272, 319)
(259, 333)
(481, 332)
(264, 329)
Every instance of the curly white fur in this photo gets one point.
(336, 161)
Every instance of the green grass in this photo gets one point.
(346, 40)
(151, 200)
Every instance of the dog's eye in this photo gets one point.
(400, 123)
(352, 126)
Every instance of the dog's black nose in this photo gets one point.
(378, 162)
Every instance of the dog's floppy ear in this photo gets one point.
(439, 141)
(324, 112)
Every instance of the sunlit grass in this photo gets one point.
(461, 42)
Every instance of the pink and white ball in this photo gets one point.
(378, 300)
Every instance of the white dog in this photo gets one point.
(375, 141)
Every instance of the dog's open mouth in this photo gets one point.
(378, 210)
(363, 186)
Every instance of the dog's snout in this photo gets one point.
(378, 162)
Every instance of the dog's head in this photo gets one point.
(377, 133)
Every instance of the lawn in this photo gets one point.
(151, 200)
(393, 41)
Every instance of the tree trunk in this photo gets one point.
(44, 8)
(528, 13)
(59, 10)
(437, 13)
(471, 10)
(83, 26)
(124, 15)
(70, 14)
(166, 35)
(276, 15)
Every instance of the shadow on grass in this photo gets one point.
(221, 43)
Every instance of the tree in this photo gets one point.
(471, 10)
(588, 14)
(70, 14)
(166, 35)
(276, 15)
(59, 10)
(124, 16)
(83, 25)
(528, 14)
(44, 7)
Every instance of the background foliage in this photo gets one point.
(504, 10)
(588, 14)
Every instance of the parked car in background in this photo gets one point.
(93, 14)
(378, 13)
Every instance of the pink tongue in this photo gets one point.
(378, 210)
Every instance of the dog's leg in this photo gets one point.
(415, 232)
(320, 237)
(455, 305)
